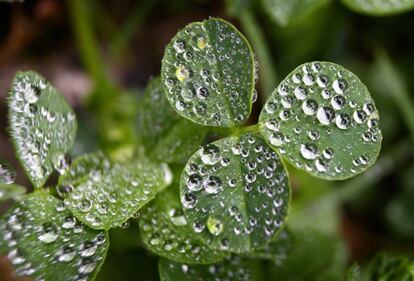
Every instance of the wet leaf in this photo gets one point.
(167, 136)
(389, 268)
(165, 231)
(208, 74)
(109, 193)
(42, 125)
(322, 119)
(234, 269)
(235, 193)
(277, 250)
(43, 240)
(379, 7)
(354, 273)
(292, 11)
(9, 190)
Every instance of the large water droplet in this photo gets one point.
(214, 226)
(309, 151)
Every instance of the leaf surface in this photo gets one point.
(292, 11)
(107, 193)
(166, 136)
(42, 125)
(234, 269)
(165, 231)
(43, 240)
(380, 7)
(208, 74)
(235, 193)
(322, 119)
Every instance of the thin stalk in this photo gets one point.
(396, 86)
(86, 40)
(136, 17)
(267, 73)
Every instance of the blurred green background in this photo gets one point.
(101, 54)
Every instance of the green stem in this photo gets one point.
(267, 73)
(397, 87)
(87, 43)
(138, 14)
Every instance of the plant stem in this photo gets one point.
(87, 43)
(397, 87)
(138, 14)
(267, 73)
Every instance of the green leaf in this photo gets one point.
(111, 193)
(236, 7)
(354, 273)
(208, 74)
(43, 240)
(234, 269)
(322, 119)
(289, 12)
(387, 268)
(166, 136)
(42, 125)
(379, 7)
(165, 231)
(9, 190)
(300, 264)
(277, 250)
(235, 193)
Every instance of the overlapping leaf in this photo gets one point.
(9, 190)
(43, 240)
(165, 231)
(43, 126)
(289, 12)
(104, 194)
(322, 119)
(235, 193)
(379, 7)
(208, 74)
(167, 137)
(233, 269)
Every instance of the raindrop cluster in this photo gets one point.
(110, 193)
(232, 269)
(43, 126)
(235, 193)
(43, 240)
(323, 120)
(165, 231)
(208, 71)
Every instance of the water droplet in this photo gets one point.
(301, 93)
(214, 226)
(359, 116)
(210, 154)
(325, 115)
(49, 233)
(182, 73)
(309, 107)
(343, 121)
(194, 182)
(309, 151)
(213, 184)
(340, 85)
(338, 102)
(7, 174)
